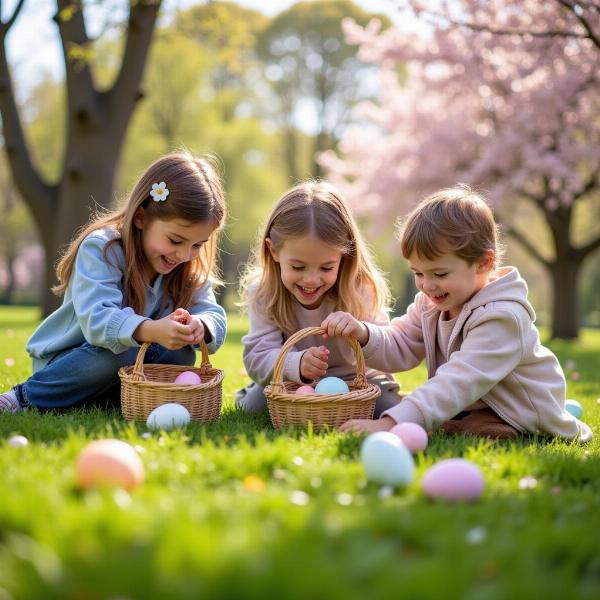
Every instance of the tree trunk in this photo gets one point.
(565, 317)
(96, 125)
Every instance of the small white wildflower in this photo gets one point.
(299, 498)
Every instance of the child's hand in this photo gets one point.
(167, 332)
(181, 316)
(197, 329)
(344, 324)
(313, 363)
(368, 425)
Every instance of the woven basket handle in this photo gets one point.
(360, 381)
(138, 368)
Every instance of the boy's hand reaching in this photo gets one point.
(313, 363)
(345, 325)
(368, 425)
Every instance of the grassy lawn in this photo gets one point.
(237, 510)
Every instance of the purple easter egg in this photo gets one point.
(187, 378)
(454, 479)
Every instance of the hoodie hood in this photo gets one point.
(507, 286)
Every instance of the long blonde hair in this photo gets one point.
(315, 208)
(195, 194)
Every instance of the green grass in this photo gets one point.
(318, 529)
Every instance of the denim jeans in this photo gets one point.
(89, 375)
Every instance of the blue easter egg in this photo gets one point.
(386, 459)
(168, 416)
(331, 385)
(573, 407)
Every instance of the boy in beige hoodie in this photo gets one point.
(489, 375)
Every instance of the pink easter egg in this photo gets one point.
(109, 463)
(413, 436)
(188, 378)
(305, 389)
(454, 479)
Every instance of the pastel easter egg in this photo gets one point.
(109, 463)
(573, 407)
(188, 378)
(413, 435)
(331, 385)
(18, 441)
(454, 479)
(386, 459)
(305, 389)
(168, 416)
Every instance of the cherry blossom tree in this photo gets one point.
(501, 94)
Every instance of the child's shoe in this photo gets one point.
(9, 402)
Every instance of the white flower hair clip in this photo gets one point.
(159, 191)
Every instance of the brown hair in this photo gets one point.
(315, 208)
(456, 220)
(195, 195)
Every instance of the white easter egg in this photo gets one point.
(168, 416)
(386, 459)
(18, 441)
(454, 479)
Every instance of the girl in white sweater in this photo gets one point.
(310, 262)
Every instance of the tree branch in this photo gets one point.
(589, 247)
(529, 247)
(74, 41)
(142, 18)
(4, 27)
(499, 31)
(570, 7)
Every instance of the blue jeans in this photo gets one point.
(89, 375)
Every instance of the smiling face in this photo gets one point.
(167, 244)
(309, 267)
(449, 281)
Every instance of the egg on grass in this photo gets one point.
(111, 463)
(168, 416)
(574, 407)
(413, 435)
(453, 479)
(386, 459)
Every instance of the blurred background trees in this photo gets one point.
(499, 93)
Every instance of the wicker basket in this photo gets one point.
(144, 387)
(287, 408)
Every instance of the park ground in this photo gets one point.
(236, 509)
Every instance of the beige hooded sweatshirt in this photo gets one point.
(494, 355)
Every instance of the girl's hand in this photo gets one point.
(368, 425)
(345, 325)
(183, 316)
(313, 363)
(197, 329)
(167, 332)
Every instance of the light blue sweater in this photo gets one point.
(93, 306)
